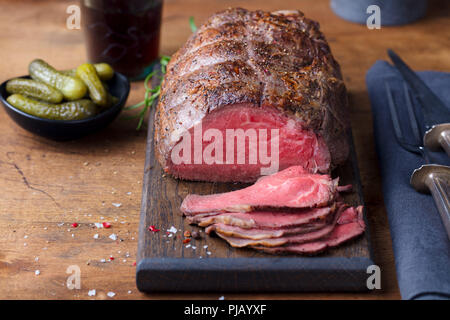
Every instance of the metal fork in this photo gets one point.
(416, 146)
(429, 178)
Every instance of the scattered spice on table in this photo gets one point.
(153, 229)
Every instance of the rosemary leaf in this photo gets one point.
(192, 24)
(134, 106)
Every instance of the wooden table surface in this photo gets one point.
(46, 186)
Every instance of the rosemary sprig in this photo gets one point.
(151, 94)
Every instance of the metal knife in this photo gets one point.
(436, 114)
(435, 179)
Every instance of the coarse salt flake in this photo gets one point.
(172, 229)
(92, 293)
(110, 294)
(113, 236)
(117, 205)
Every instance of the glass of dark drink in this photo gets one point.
(123, 33)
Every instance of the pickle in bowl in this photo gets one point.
(97, 91)
(71, 110)
(104, 71)
(71, 87)
(34, 89)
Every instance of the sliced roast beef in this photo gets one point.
(238, 242)
(263, 219)
(347, 230)
(239, 237)
(259, 233)
(301, 190)
(252, 70)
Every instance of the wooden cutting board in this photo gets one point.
(166, 264)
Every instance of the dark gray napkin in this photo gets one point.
(420, 243)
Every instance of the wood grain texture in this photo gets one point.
(44, 183)
(209, 264)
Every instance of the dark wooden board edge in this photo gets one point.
(359, 191)
(254, 274)
(280, 274)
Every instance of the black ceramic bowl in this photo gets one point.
(118, 86)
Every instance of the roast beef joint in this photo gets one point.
(249, 94)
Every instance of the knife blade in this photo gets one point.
(434, 110)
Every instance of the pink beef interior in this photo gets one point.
(300, 190)
(297, 145)
(263, 219)
(349, 225)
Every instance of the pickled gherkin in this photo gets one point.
(71, 87)
(72, 110)
(34, 89)
(105, 71)
(97, 91)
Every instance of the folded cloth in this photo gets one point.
(420, 243)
